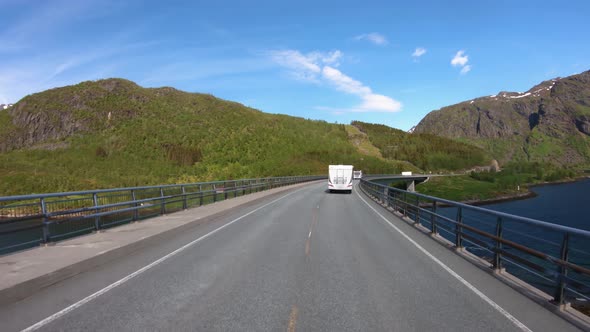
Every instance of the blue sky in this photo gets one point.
(385, 62)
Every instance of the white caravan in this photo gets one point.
(340, 178)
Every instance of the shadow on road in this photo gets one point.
(338, 192)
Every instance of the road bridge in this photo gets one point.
(410, 181)
(298, 258)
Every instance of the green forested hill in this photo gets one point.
(428, 152)
(114, 133)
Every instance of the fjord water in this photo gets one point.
(564, 204)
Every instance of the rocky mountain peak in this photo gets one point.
(549, 122)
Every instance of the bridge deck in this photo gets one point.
(305, 260)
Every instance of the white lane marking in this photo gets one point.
(309, 234)
(143, 269)
(453, 273)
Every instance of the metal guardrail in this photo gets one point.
(30, 220)
(551, 257)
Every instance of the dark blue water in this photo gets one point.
(564, 204)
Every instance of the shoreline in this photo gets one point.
(541, 184)
(501, 199)
(521, 196)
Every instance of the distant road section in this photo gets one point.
(304, 260)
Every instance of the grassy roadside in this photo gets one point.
(512, 182)
(464, 188)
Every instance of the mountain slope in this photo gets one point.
(114, 133)
(425, 151)
(362, 142)
(548, 123)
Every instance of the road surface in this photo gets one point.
(305, 260)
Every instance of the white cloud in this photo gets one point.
(305, 67)
(381, 103)
(371, 101)
(295, 60)
(319, 67)
(373, 37)
(460, 59)
(420, 51)
(329, 58)
(465, 69)
(343, 82)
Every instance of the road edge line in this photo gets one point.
(466, 283)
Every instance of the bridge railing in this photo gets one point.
(551, 257)
(30, 220)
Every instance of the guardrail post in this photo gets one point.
(386, 196)
(136, 211)
(224, 190)
(433, 229)
(417, 220)
(46, 236)
(405, 204)
(200, 195)
(391, 199)
(214, 193)
(459, 229)
(97, 218)
(163, 204)
(184, 202)
(559, 297)
(497, 254)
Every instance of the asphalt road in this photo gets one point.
(306, 260)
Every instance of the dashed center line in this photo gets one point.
(93, 296)
(314, 220)
(293, 318)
